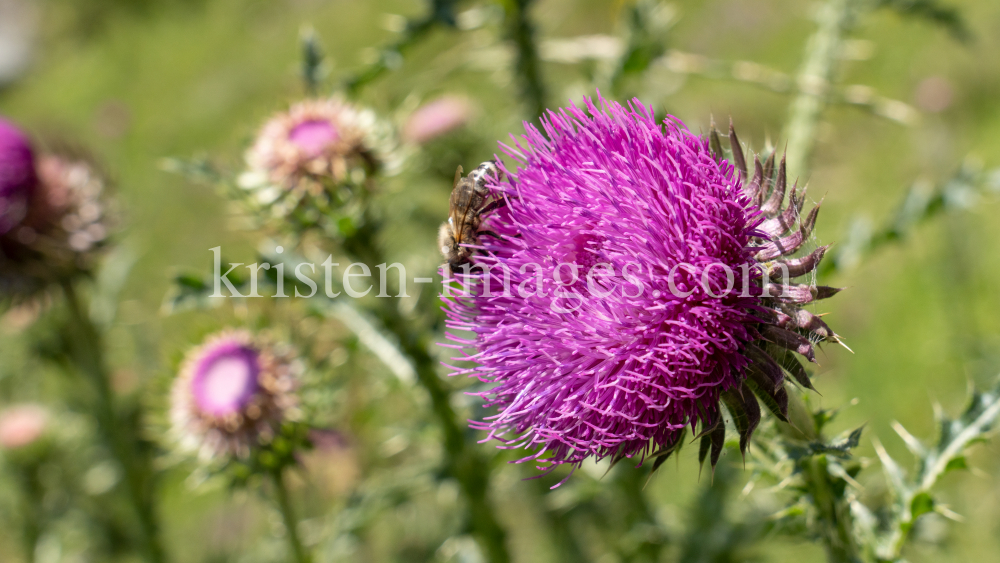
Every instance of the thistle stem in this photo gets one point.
(87, 353)
(464, 464)
(835, 516)
(442, 12)
(528, 66)
(288, 517)
(813, 82)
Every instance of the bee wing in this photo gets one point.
(461, 209)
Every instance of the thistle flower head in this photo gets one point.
(21, 425)
(17, 175)
(315, 142)
(437, 118)
(61, 227)
(233, 392)
(635, 302)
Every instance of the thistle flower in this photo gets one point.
(437, 118)
(60, 226)
(620, 327)
(22, 425)
(233, 392)
(311, 150)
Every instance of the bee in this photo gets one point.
(470, 200)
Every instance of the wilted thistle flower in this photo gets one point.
(437, 118)
(310, 152)
(617, 331)
(62, 225)
(233, 392)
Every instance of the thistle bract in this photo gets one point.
(635, 302)
(233, 393)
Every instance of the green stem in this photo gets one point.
(823, 50)
(528, 66)
(442, 12)
(31, 509)
(86, 351)
(288, 517)
(463, 463)
(835, 516)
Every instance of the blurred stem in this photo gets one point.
(87, 353)
(823, 50)
(462, 463)
(631, 482)
(442, 12)
(31, 509)
(528, 66)
(288, 517)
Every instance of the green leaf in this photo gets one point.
(920, 505)
(956, 464)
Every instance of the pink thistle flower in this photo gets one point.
(22, 425)
(437, 118)
(619, 327)
(52, 227)
(233, 392)
(315, 141)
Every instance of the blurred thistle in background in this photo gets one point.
(316, 157)
(54, 215)
(234, 392)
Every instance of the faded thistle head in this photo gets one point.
(53, 214)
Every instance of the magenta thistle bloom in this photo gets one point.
(232, 393)
(620, 326)
(17, 175)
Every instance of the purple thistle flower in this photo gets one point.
(233, 392)
(62, 218)
(618, 326)
(17, 175)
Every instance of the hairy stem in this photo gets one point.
(823, 50)
(86, 352)
(288, 517)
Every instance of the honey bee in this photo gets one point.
(470, 200)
